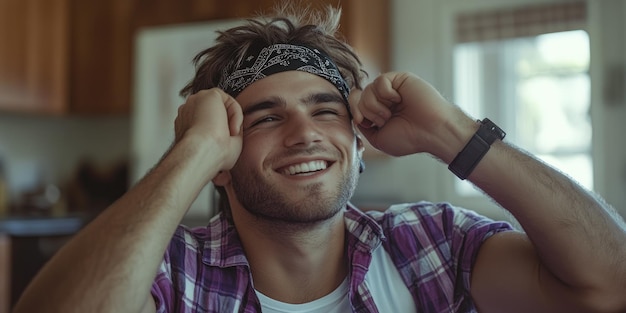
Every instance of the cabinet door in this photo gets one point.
(33, 55)
(100, 50)
(5, 272)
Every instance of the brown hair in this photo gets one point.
(289, 23)
(315, 29)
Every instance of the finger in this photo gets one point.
(375, 113)
(235, 116)
(353, 105)
(369, 133)
(178, 121)
(379, 102)
(385, 92)
(234, 113)
(354, 101)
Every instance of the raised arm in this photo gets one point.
(109, 266)
(572, 255)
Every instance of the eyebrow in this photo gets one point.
(311, 99)
(323, 97)
(264, 105)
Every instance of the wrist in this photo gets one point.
(452, 136)
(199, 153)
(476, 148)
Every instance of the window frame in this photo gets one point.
(449, 9)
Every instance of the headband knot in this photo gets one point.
(263, 61)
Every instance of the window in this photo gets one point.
(529, 75)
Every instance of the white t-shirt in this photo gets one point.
(383, 280)
(334, 302)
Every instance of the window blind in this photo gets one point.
(520, 22)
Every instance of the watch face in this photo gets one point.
(465, 162)
(489, 131)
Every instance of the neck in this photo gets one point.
(294, 263)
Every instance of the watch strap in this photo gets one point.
(465, 162)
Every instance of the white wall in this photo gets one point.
(608, 51)
(409, 178)
(421, 43)
(163, 66)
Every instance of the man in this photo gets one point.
(270, 119)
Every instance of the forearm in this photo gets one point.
(109, 266)
(578, 237)
(575, 236)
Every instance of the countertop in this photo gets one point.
(41, 225)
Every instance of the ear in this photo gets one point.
(222, 178)
(360, 146)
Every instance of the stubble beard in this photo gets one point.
(266, 202)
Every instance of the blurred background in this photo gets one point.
(89, 91)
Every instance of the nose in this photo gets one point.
(301, 131)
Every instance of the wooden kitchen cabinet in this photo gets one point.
(65, 56)
(33, 50)
(5, 273)
(101, 47)
(364, 23)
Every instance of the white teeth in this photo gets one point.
(307, 167)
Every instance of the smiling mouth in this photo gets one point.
(305, 168)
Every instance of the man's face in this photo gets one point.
(300, 157)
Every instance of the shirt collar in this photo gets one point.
(364, 228)
(223, 246)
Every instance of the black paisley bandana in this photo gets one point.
(261, 62)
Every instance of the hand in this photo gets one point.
(215, 118)
(401, 114)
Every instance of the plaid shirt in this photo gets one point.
(432, 245)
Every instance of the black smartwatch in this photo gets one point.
(465, 162)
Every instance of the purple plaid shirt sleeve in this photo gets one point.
(434, 247)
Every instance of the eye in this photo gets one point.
(264, 120)
(331, 113)
(326, 112)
